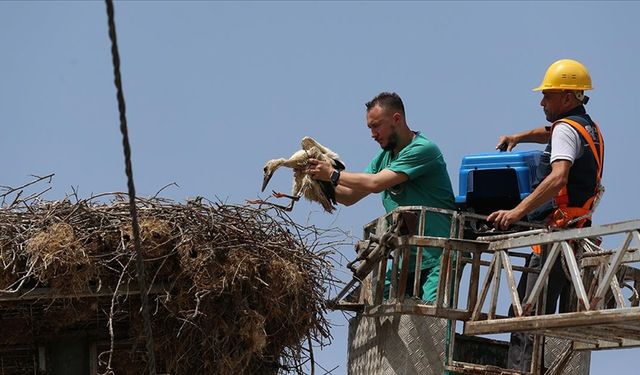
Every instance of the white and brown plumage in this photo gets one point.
(322, 192)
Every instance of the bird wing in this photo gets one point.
(322, 192)
(309, 143)
(338, 164)
(328, 190)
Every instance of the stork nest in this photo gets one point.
(233, 289)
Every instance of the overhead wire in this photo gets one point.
(131, 190)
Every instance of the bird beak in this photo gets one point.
(266, 179)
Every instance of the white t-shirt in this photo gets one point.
(565, 143)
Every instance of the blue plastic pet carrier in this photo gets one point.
(495, 181)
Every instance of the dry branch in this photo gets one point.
(234, 289)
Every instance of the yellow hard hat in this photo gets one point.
(566, 74)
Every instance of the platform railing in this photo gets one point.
(384, 253)
(601, 317)
(593, 273)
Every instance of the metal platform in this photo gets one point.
(604, 317)
(403, 344)
(590, 330)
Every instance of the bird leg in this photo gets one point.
(276, 194)
(284, 208)
(293, 199)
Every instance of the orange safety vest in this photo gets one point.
(563, 214)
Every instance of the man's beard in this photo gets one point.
(392, 143)
(551, 117)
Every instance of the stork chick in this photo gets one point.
(322, 192)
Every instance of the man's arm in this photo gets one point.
(354, 186)
(548, 188)
(348, 196)
(371, 183)
(537, 135)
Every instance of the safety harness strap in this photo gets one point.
(562, 198)
(598, 153)
(564, 214)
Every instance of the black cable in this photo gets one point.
(132, 190)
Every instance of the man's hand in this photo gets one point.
(507, 142)
(319, 170)
(537, 135)
(504, 218)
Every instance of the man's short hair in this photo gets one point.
(386, 100)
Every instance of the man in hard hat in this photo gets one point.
(568, 179)
(409, 171)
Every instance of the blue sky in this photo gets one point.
(214, 89)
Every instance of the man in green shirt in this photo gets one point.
(408, 171)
